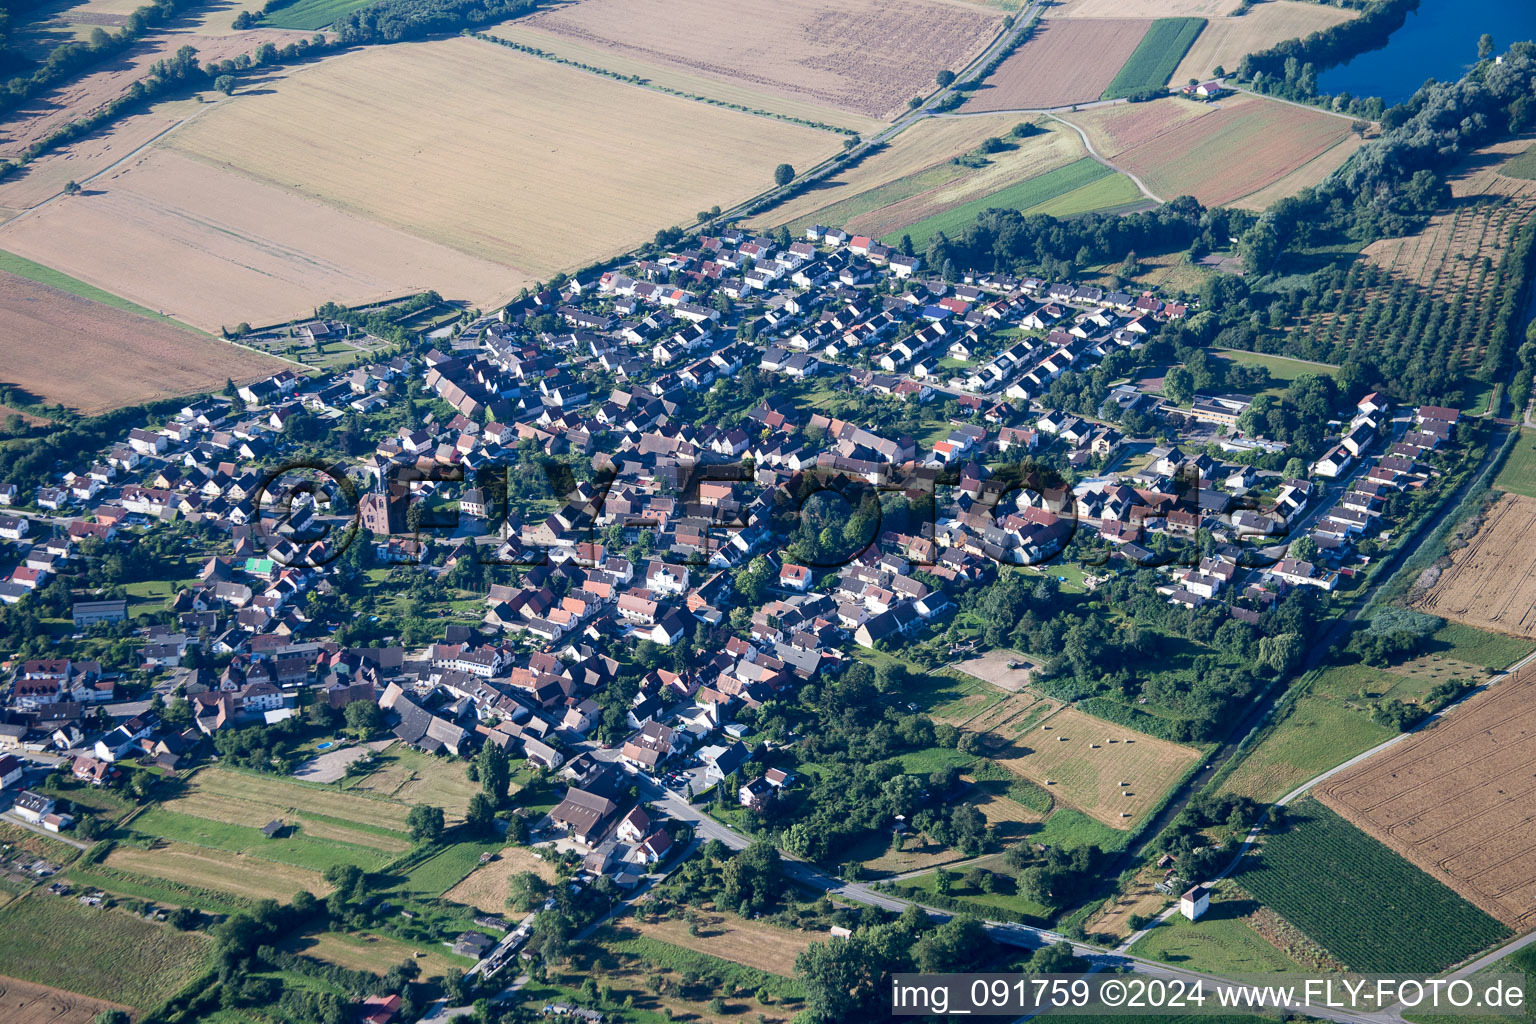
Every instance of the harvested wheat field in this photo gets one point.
(763, 946)
(865, 56)
(217, 869)
(661, 74)
(1145, 8)
(24, 1002)
(920, 161)
(41, 115)
(1226, 40)
(1459, 799)
(1491, 583)
(1064, 62)
(1216, 152)
(485, 888)
(259, 253)
(92, 357)
(579, 168)
(45, 177)
(1106, 771)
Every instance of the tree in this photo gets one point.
(363, 718)
(1179, 386)
(112, 1017)
(526, 890)
(495, 773)
(954, 945)
(783, 175)
(481, 813)
(1484, 46)
(1057, 959)
(1304, 548)
(225, 84)
(426, 823)
(72, 188)
(945, 78)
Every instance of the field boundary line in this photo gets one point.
(1095, 155)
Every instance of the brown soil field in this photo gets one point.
(865, 56)
(1491, 583)
(1459, 799)
(1175, 144)
(231, 872)
(992, 667)
(43, 114)
(23, 1002)
(729, 937)
(1307, 175)
(486, 887)
(1225, 40)
(1082, 761)
(92, 357)
(1071, 61)
(1145, 8)
(580, 168)
(259, 253)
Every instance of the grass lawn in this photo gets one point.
(1071, 829)
(309, 15)
(413, 777)
(1518, 475)
(443, 871)
(123, 883)
(1019, 196)
(23, 267)
(1281, 369)
(1037, 912)
(1522, 165)
(931, 759)
(1493, 650)
(294, 847)
(1221, 942)
(1317, 734)
(376, 953)
(99, 952)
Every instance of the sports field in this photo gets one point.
(865, 56)
(1173, 144)
(1226, 39)
(89, 356)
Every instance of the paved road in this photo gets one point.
(1017, 935)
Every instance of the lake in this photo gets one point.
(1439, 40)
